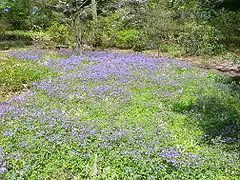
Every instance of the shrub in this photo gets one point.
(41, 38)
(14, 39)
(160, 28)
(3, 27)
(104, 31)
(5, 45)
(60, 34)
(172, 49)
(199, 39)
(15, 36)
(141, 41)
(228, 23)
(126, 38)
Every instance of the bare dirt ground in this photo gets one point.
(214, 64)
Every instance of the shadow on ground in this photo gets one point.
(8, 41)
(219, 119)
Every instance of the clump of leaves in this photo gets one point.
(60, 34)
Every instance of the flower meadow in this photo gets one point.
(110, 115)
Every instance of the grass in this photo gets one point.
(16, 75)
(121, 116)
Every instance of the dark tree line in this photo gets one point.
(189, 26)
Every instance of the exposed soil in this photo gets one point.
(223, 67)
(212, 64)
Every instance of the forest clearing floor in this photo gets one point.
(115, 115)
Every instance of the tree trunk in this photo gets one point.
(76, 26)
(94, 9)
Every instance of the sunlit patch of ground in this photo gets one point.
(112, 115)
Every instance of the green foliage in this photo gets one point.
(16, 36)
(227, 23)
(41, 38)
(60, 34)
(5, 45)
(15, 39)
(175, 122)
(159, 27)
(16, 75)
(105, 30)
(18, 13)
(178, 23)
(191, 27)
(126, 38)
(4, 26)
(174, 50)
(198, 39)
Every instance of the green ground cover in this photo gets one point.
(108, 115)
(16, 74)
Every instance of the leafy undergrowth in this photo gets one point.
(121, 116)
(17, 74)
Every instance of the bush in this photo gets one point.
(228, 23)
(60, 34)
(141, 42)
(5, 45)
(4, 26)
(41, 38)
(14, 39)
(105, 31)
(126, 38)
(186, 30)
(172, 49)
(160, 28)
(15, 36)
(199, 39)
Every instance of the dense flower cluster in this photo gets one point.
(107, 109)
(26, 54)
